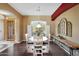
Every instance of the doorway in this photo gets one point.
(10, 30)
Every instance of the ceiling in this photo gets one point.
(35, 8)
(6, 12)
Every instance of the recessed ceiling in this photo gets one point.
(35, 8)
(6, 12)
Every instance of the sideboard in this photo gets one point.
(68, 46)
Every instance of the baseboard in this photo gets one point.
(20, 41)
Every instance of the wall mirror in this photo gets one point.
(65, 27)
(59, 28)
(69, 29)
(62, 26)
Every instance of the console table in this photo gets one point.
(70, 47)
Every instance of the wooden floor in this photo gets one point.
(20, 50)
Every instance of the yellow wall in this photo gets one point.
(71, 15)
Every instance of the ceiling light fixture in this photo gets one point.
(38, 12)
(38, 25)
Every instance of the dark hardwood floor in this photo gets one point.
(20, 50)
(55, 50)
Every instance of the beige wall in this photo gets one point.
(18, 21)
(52, 27)
(71, 15)
(27, 20)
